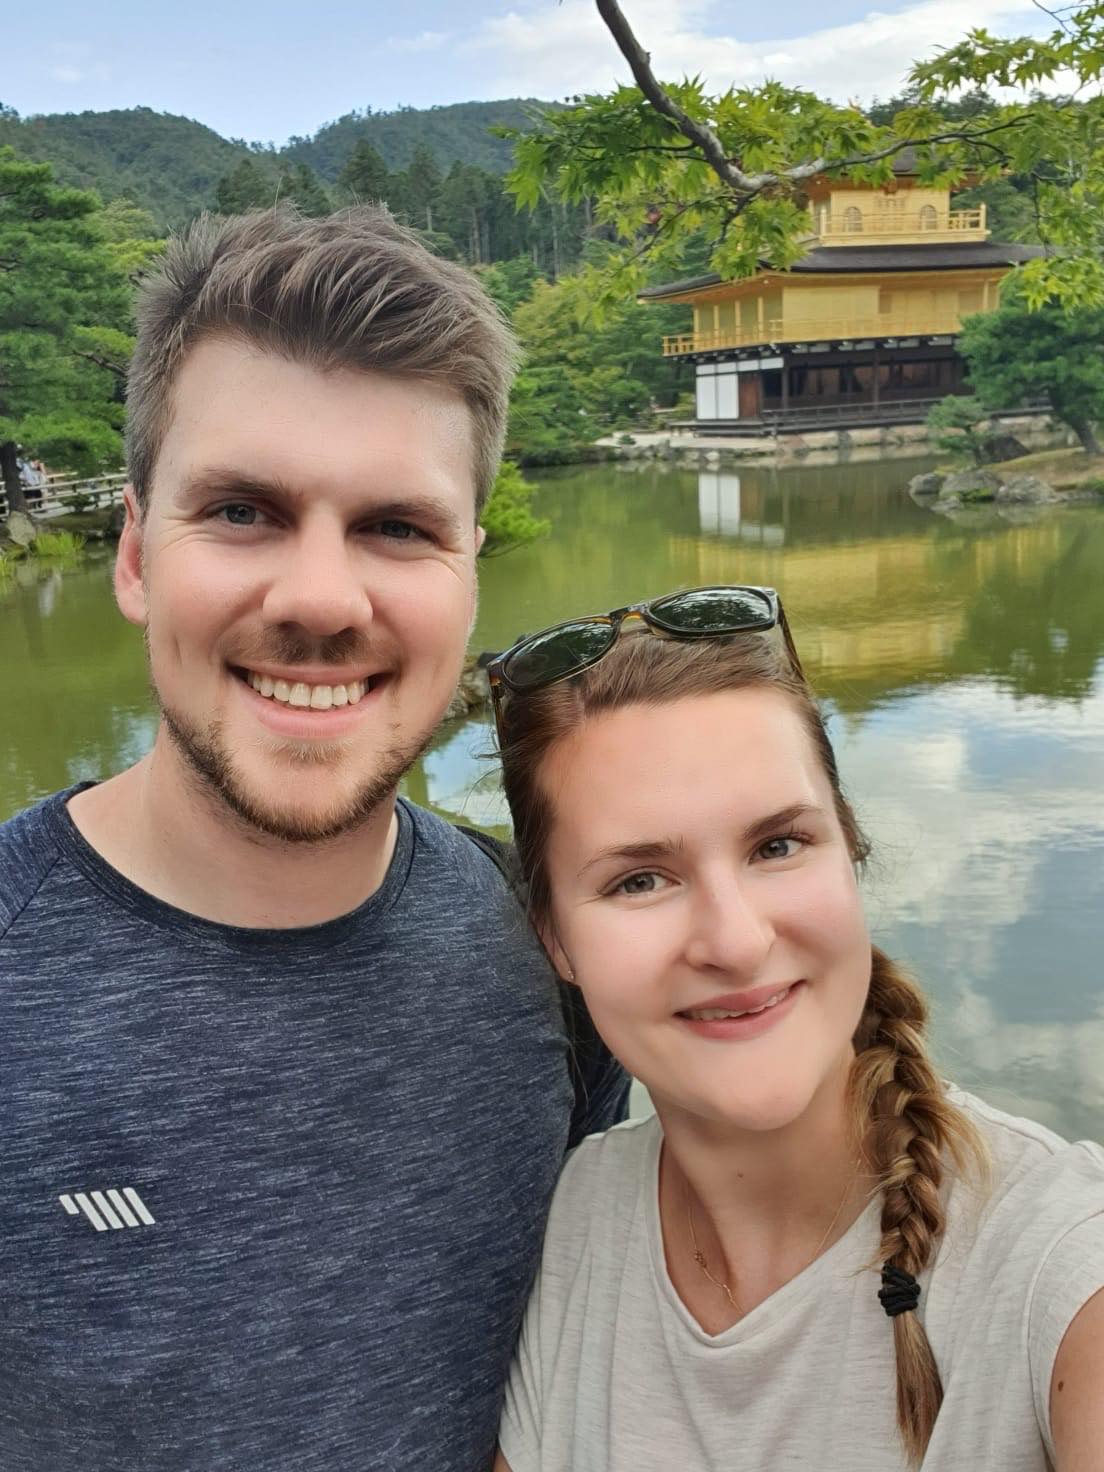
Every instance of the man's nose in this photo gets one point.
(731, 930)
(319, 583)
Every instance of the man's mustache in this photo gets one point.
(291, 646)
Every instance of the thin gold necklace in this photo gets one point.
(699, 1255)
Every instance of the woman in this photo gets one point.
(816, 1255)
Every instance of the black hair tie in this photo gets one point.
(900, 1292)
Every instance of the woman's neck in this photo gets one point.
(744, 1211)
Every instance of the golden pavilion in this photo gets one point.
(862, 329)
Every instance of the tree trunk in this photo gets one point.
(1084, 431)
(13, 486)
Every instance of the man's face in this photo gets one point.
(305, 572)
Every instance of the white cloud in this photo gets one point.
(562, 49)
(67, 74)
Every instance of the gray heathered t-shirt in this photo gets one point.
(613, 1374)
(270, 1199)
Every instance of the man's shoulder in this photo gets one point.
(477, 861)
(28, 851)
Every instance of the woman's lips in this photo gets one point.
(738, 1016)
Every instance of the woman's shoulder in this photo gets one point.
(600, 1182)
(1038, 1186)
(1020, 1147)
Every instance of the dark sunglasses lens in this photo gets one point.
(714, 610)
(551, 656)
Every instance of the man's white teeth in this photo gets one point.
(714, 1014)
(314, 697)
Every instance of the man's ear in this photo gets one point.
(130, 592)
(480, 538)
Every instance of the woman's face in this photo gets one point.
(705, 900)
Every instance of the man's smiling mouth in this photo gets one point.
(304, 696)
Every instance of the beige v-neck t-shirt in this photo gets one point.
(613, 1374)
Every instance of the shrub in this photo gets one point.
(507, 518)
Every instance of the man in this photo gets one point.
(285, 1085)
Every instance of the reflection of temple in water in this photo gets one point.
(720, 511)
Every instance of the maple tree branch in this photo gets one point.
(712, 150)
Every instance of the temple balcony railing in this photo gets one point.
(926, 226)
(773, 331)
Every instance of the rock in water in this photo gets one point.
(20, 529)
(971, 486)
(926, 485)
(1027, 490)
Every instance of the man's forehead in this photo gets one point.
(239, 409)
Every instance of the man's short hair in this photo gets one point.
(352, 290)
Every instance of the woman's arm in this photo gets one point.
(1077, 1392)
(502, 1465)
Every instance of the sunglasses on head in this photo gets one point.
(569, 648)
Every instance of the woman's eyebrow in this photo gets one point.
(641, 851)
(783, 818)
(649, 850)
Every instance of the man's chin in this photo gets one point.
(326, 805)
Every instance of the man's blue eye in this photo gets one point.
(240, 514)
(401, 530)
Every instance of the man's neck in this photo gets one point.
(166, 834)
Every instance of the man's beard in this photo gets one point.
(206, 755)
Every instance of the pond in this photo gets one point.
(963, 666)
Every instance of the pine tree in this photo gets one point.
(246, 187)
(365, 178)
(61, 280)
(422, 187)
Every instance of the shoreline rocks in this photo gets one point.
(947, 492)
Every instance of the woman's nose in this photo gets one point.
(731, 930)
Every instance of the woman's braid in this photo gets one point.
(908, 1126)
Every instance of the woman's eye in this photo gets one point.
(783, 847)
(239, 513)
(644, 883)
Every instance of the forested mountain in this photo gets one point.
(166, 164)
(458, 131)
(171, 165)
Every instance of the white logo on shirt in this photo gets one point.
(109, 1209)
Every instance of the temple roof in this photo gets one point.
(852, 259)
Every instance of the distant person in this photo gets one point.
(816, 1254)
(285, 1081)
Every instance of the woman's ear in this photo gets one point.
(556, 953)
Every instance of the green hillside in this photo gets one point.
(170, 165)
(167, 164)
(457, 131)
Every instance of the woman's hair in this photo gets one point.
(900, 1111)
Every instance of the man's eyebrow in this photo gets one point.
(650, 850)
(226, 481)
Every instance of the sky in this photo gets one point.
(267, 71)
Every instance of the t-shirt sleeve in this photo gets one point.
(1071, 1274)
(519, 1433)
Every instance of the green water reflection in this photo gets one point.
(964, 665)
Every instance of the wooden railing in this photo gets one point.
(832, 415)
(61, 493)
(815, 329)
(876, 227)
